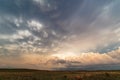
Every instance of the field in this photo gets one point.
(24, 74)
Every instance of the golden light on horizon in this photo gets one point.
(64, 55)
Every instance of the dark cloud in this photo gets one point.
(32, 9)
(93, 67)
(27, 10)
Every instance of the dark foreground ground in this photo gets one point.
(24, 74)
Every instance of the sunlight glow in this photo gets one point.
(64, 55)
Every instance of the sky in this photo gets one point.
(60, 34)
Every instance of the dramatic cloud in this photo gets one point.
(74, 34)
(64, 60)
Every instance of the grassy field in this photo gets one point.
(24, 74)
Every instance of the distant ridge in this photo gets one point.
(19, 70)
(35, 70)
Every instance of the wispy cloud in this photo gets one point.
(66, 34)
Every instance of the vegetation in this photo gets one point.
(24, 74)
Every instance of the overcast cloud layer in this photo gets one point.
(60, 34)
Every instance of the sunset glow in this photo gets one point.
(60, 34)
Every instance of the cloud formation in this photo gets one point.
(66, 34)
(56, 61)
